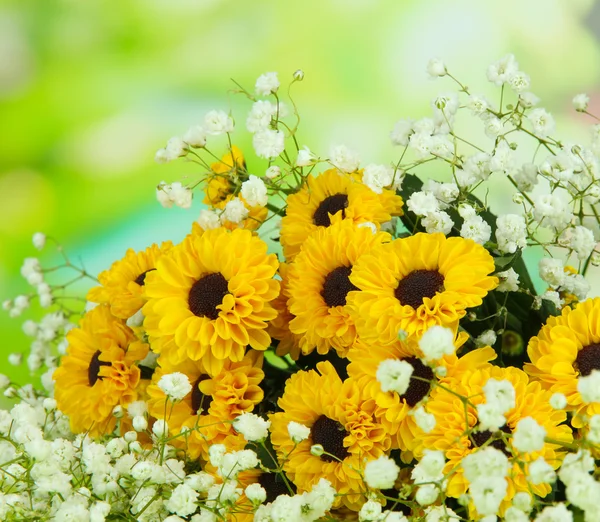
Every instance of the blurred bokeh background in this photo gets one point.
(89, 90)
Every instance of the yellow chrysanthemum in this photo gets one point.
(416, 282)
(123, 284)
(221, 182)
(279, 328)
(456, 433)
(98, 372)
(567, 347)
(210, 298)
(319, 285)
(393, 410)
(341, 418)
(329, 197)
(215, 400)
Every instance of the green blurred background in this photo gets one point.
(90, 89)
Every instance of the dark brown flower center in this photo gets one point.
(206, 294)
(337, 285)
(330, 205)
(588, 359)
(330, 434)
(481, 437)
(418, 285)
(417, 388)
(94, 368)
(274, 485)
(141, 279)
(200, 402)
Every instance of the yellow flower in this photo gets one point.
(393, 410)
(279, 328)
(341, 418)
(122, 285)
(215, 400)
(329, 197)
(98, 372)
(319, 285)
(456, 433)
(222, 181)
(416, 282)
(567, 347)
(210, 298)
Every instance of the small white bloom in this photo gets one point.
(502, 70)
(436, 342)
(550, 210)
(425, 421)
(556, 513)
(589, 387)
(552, 271)
(209, 219)
(299, 75)
(581, 102)
(485, 462)
(487, 494)
(528, 436)
(422, 203)
(182, 501)
(4, 382)
(504, 159)
(519, 82)
(487, 338)
(528, 99)
(195, 137)
(370, 510)
(380, 177)
(580, 240)
(180, 195)
(266, 84)
(268, 143)
(140, 423)
(305, 157)
(381, 473)
(436, 68)
(553, 297)
(526, 177)
(511, 233)
(401, 133)
(256, 494)
(160, 428)
(476, 229)
(426, 494)
(558, 401)
(15, 359)
(501, 393)
(490, 416)
(344, 159)
(261, 115)
(218, 122)
(39, 240)
(298, 432)
(540, 472)
(273, 172)
(522, 501)
(235, 211)
(542, 122)
(509, 281)
(394, 375)
(175, 385)
(254, 191)
(593, 434)
(478, 105)
(438, 221)
(252, 427)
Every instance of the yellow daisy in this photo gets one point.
(210, 298)
(98, 372)
(456, 432)
(416, 282)
(223, 178)
(215, 400)
(279, 328)
(329, 197)
(341, 418)
(393, 410)
(122, 285)
(319, 285)
(567, 347)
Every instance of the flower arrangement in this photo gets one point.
(378, 352)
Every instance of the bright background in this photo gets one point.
(89, 90)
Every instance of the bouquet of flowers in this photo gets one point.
(331, 341)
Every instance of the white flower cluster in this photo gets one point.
(500, 398)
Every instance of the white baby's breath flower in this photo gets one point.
(379, 177)
(552, 271)
(266, 84)
(139, 423)
(260, 115)
(502, 70)
(436, 342)
(183, 500)
(381, 473)
(579, 239)
(476, 229)
(438, 221)
(394, 375)
(425, 421)
(487, 494)
(528, 436)
(540, 472)
(558, 401)
(501, 393)
(305, 157)
(542, 122)
(273, 172)
(235, 211)
(175, 385)
(344, 159)
(436, 68)
(195, 137)
(254, 191)
(298, 432)
(256, 494)
(401, 133)
(511, 233)
(485, 462)
(218, 122)
(268, 143)
(490, 416)
(519, 82)
(509, 281)
(252, 427)
(160, 428)
(589, 387)
(208, 219)
(581, 102)
(422, 203)
(370, 510)
(39, 240)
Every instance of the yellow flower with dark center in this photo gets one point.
(123, 284)
(330, 197)
(222, 180)
(98, 372)
(319, 285)
(566, 348)
(279, 328)
(215, 400)
(394, 410)
(210, 298)
(456, 432)
(341, 419)
(416, 282)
